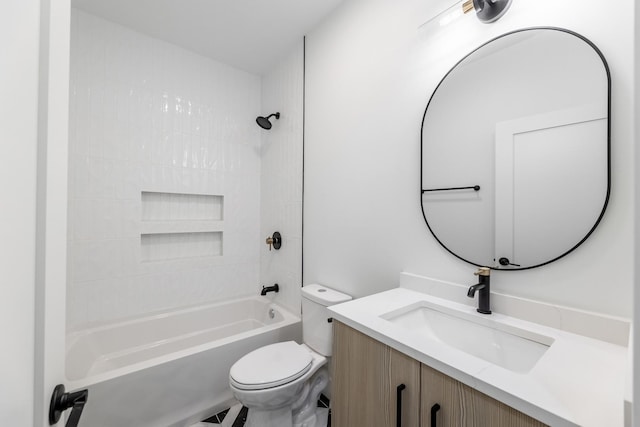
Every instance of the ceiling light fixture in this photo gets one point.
(487, 11)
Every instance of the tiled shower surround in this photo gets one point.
(281, 177)
(165, 177)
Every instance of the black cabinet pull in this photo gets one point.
(434, 412)
(399, 404)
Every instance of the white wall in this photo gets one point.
(149, 116)
(281, 177)
(370, 72)
(19, 31)
(634, 388)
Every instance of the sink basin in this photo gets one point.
(512, 348)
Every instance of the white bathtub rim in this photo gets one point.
(101, 325)
(152, 362)
(288, 319)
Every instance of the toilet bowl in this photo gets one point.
(280, 383)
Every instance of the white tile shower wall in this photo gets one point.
(147, 116)
(281, 191)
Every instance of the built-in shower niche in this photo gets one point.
(159, 247)
(180, 225)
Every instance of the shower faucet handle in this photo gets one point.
(275, 241)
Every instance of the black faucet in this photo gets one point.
(274, 288)
(483, 286)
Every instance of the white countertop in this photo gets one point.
(579, 381)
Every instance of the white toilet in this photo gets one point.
(280, 383)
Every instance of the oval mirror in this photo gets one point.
(515, 151)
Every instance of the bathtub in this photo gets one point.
(171, 368)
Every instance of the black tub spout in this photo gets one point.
(274, 288)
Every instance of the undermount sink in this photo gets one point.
(509, 347)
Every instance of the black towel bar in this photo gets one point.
(472, 187)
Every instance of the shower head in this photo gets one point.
(264, 122)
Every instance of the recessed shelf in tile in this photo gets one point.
(168, 246)
(158, 206)
(185, 226)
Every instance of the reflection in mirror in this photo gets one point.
(515, 149)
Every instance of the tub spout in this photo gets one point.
(274, 288)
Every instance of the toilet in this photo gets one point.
(280, 383)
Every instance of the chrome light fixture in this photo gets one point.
(487, 11)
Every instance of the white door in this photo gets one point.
(34, 81)
(542, 204)
(51, 241)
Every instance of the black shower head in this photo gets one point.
(264, 122)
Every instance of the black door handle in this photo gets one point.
(61, 401)
(434, 412)
(399, 404)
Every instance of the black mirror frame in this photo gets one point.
(606, 200)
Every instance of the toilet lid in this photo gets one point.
(270, 366)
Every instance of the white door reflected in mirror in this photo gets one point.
(537, 197)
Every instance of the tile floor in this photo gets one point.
(237, 415)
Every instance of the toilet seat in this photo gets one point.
(271, 366)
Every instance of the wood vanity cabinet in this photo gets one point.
(365, 381)
(461, 405)
(366, 376)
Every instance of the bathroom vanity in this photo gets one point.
(531, 187)
(420, 355)
(367, 371)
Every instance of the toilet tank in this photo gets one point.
(316, 330)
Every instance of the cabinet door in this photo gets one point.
(462, 406)
(366, 376)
